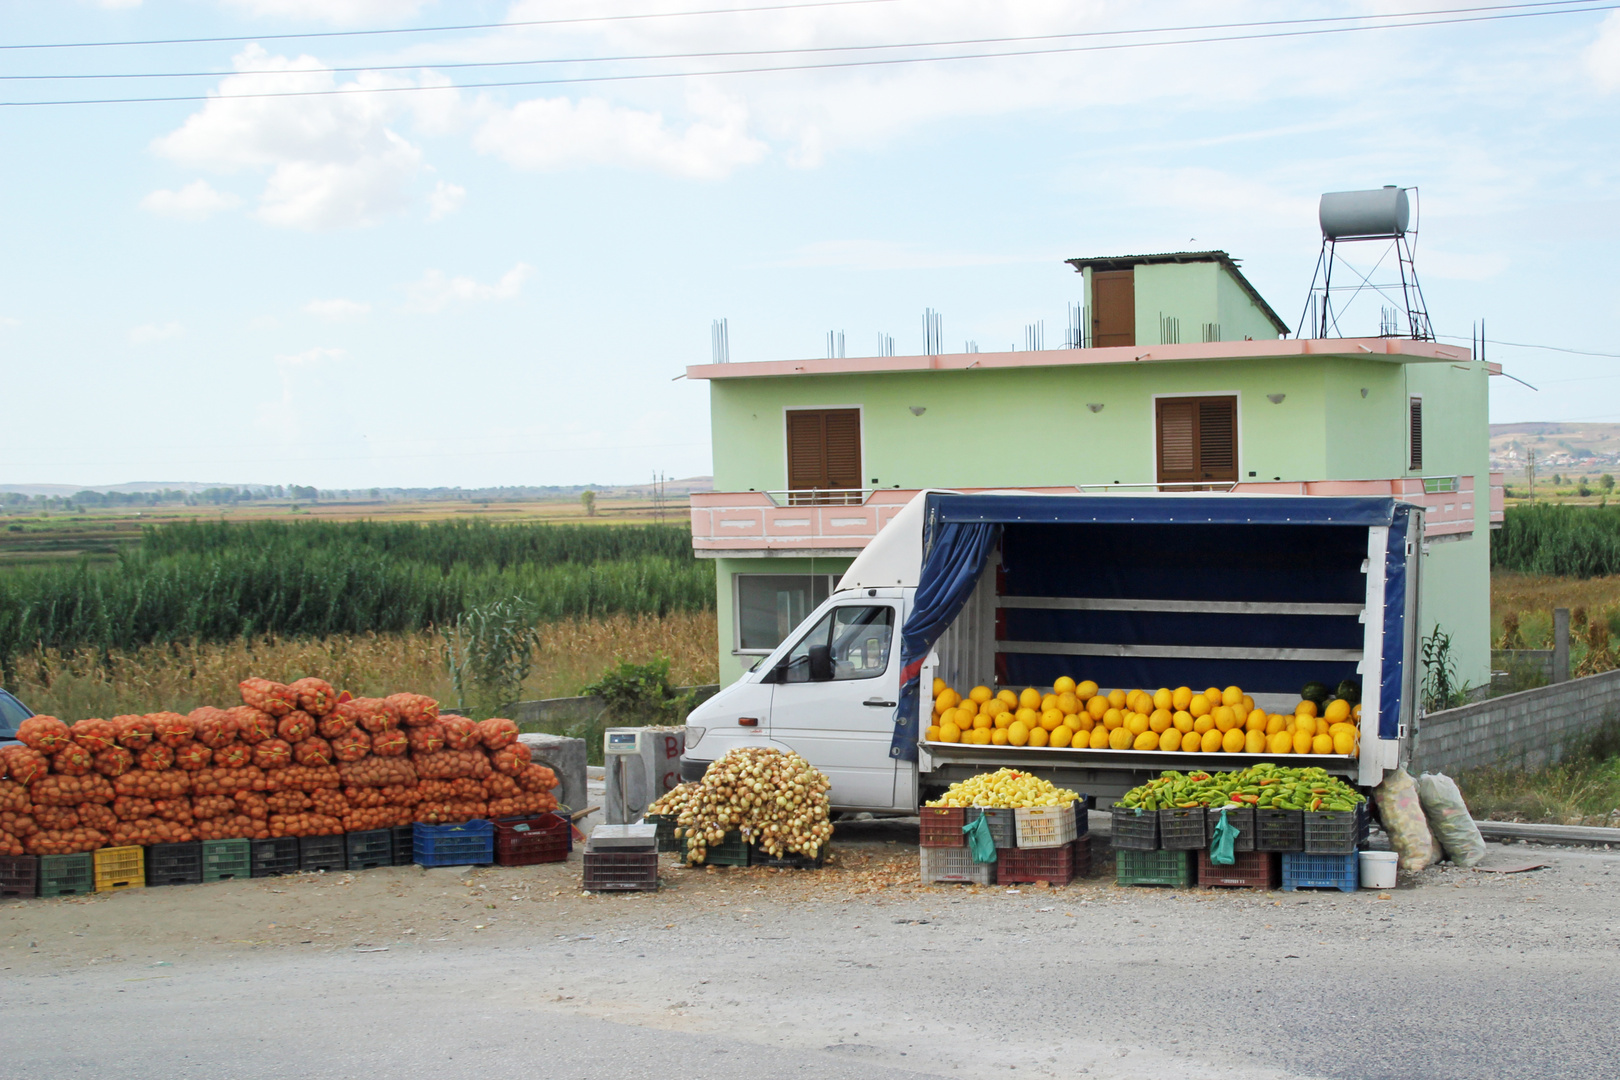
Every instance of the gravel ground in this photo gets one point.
(857, 970)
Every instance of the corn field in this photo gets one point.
(1563, 541)
(215, 583)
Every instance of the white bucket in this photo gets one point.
(1378, 869)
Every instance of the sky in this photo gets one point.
(426, 282)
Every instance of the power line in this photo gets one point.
(952, 43)
(884, 62)
(442, 29)
(1549, 348)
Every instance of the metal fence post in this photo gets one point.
(1560, 672)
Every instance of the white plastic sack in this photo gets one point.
(1450, 820)
(1402, 814)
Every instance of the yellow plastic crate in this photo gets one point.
(120, 868)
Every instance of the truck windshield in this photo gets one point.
(12, 714)
(857, 638)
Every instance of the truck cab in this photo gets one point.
(12, 714)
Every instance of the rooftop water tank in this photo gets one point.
(1382, 212)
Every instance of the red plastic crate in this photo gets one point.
(525, 841)
(941, 826)
(1058, 865)
(19, 876)
(1253, 870)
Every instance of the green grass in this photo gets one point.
(214, 582)
(1582, 789)
(1563, 541)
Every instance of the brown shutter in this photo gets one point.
(807, 462)
(1217, 439)
(1416, 421)
(843, 448)
(1197, 440)
(1178, 460)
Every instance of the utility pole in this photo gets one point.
(1530, 474)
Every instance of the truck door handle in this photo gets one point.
(878, 703)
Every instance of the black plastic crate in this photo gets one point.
(1003, 824)
(403, 851)
(1240, 817)
(621, 871)
(19, 876)
(322, 853)
(1332, 832)
(1279, 830)
(666, 833)
(67, 875)
(1181, 828)
(268, 858)
(368, 849)
(227, 859)
(174, 864)
(1135, 829)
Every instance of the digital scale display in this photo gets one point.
(622, 741)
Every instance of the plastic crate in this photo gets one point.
(1181, 828)
(788, 860)
(1253, 870)
(666, 833)
(368, 849)
(1057, 866)
(471, 843)
(1279, 830)
(1135, 829)
(119, 868)
(732, 851)
(955, 865)
(326, 853)
(1241, 817)
(19, 876)
(174, 864)
(402, 853)
(267, 858)
(1003, 824)
(526, 841)
(1311, 871)
(941, 826)
(224, 860)
(1045, 826)
(1333, 832)
(1174, 868)
(621, 871)
(67, 875)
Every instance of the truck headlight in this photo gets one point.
(694, 735)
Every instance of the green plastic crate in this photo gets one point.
(223, 860)
(732, 851)
(67, 875)
(1174, 868)
(666, 833)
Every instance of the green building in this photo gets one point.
(1182, 379)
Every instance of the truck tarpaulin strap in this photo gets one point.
(951, 569)
(1395, 584)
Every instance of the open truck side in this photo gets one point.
(1141, 591)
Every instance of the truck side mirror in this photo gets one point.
(821, 667)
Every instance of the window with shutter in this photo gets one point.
(824, 453)
(1197, 440)
(1416, 421)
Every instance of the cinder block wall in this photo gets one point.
(1525, 730)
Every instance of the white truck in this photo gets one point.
(1131, 591)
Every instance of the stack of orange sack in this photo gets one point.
(293, 760)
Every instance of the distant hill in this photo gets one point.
(1570, 449)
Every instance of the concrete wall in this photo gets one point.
(1525, 730)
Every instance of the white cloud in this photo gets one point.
(332, 161)
(445, 200)
(435, 291)
(337, 310)
(150, 332)
(343, 12)
(196, 201)
(310, 358)
(6, 322)
(114, 5)
(1603, 55)
(548, 134)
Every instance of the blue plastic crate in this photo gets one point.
(470, 843)
(1303, 870)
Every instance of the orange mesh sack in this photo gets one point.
(497, 733)
(536, 778)
(313, 751)
(390, 744)
(329, 803)
(333, 724)
(193, 756)
(173, 730)
(64, 841)
(253, 804)
(94, 734)
(449, 813)
(272, 754)
(153, 783)
(233, 827)
(372, 714)
(460, 733)
(72, 760)
(406, 795)
(235, 754)
(414, 710)
(96, 816)
(306, 778)
(14, 797)
(510, 760)
(134, 732)
(156, 758)
(114, 761)
(213, 728)
(57, 818)
(501, 786)
(352, 745)
(177, 810)
(253, 726)
(129, 808)
(204, 807)
(24, 764)
(304, 825)
(426, 739)
(71, 790)
(287, 802)
(365, 798)
(523, 804)
(377, 817)
(11, 845)
(452, 764)
(267, 696)
(222, 781)
(377, 772)
(21, 826)
(46, 734)
(295, 727)
(315, 696)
